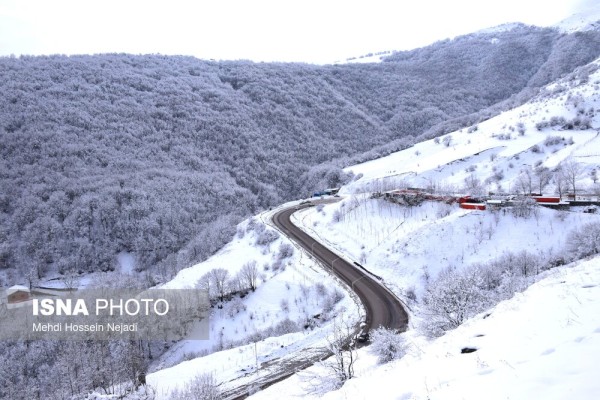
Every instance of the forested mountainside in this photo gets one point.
(161, 156)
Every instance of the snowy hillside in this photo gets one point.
(521, 349)
(588, 17)
(543, 343)
(561, 122)
(412, 246)
(288, 316)
(405, 244)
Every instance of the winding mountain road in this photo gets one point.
(382, 307)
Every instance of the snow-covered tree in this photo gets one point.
(525, 181)
(584, 241)
(387, 345)
(544, 176)
(341, 345)
(524, 207)
(451, 298)
(571, 170)
(202, 387)
(249, 275)
(559, 179)
(219, 278)
(473, 185)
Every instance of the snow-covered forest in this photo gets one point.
(156, 160)
(160, 156)
(502, 299)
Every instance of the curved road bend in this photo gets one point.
(382, 307)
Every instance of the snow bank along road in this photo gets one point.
(382, 307)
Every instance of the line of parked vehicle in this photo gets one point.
(413, 196)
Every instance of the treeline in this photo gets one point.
(161, 156)
(65, 369)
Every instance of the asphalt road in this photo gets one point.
(382, 307)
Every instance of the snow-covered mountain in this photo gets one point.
(542, 342)
(586, 16)
(408, 246)
(561, 122)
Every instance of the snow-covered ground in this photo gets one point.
(542, 341)
(497, 150)
(290, 289)
(586, 18)
(542, 344)
(406, 245)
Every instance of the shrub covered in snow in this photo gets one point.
(553, 140)
(387, 345)
(202, 387)
(266, 237)
(286, 250)
(452, 298)
(585, 241)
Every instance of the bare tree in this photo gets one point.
(559, 180)
(236, 284)
(525, 181)
(249, 275)
(473, 185)
(202, 387)
(205, 282)
(526, 264)
(219, 277)
(70, 279)
(571, 171)
(544, 176)
(341, 344)
(524, 207)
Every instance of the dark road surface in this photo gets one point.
(382, 307)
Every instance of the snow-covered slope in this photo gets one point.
(265, 325)
(587, 18)
(407, 246)
(562, 121)
(542, 344)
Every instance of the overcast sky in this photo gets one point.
(315, 31)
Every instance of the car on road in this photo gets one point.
(363, 334)
(362, 337)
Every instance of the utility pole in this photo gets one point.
(256, 357)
